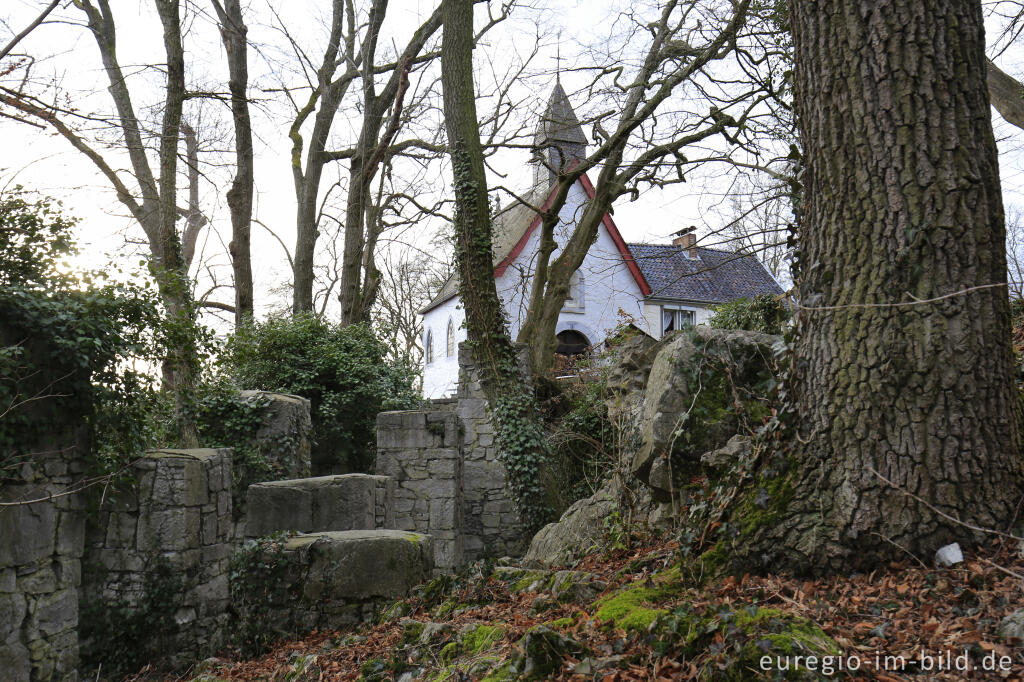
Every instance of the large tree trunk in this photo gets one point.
(233, 34)
(182, 362)
(902, 204)
(520, 435)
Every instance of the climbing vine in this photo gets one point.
(519, 429)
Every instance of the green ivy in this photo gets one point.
(764, 313)
(120, 637)
(343, 372)
(259, 581)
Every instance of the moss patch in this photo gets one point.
(630, 609)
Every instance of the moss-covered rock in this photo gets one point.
(539, 653)
(632, 609)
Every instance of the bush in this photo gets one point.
(583, 444)
(341, 370)
(762, 313)
(65, 339)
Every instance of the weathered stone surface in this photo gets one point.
(177, 517)
(580, 528)
(323, 503)
(272, 507)
(27, 532)
(362, 564)
(668, 396)
(729, 454)
(627, 377)
(15, 661)
(284, 437)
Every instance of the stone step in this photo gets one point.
(323, 503)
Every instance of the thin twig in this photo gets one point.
(943, 514)
(916, 301)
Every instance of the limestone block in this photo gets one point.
(362, 564)
(346, 502)
(478, 477)
(27, 532)
(121, 530)
(56, 612)
(322, 503)
(12, 612)
(15, 661)
(286, 431)
(167, 530)
(272, 506)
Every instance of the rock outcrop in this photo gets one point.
(703, 385)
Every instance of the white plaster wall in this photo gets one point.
(607, 283)
(652, 313)
(441, 377)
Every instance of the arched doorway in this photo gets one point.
(572, 343)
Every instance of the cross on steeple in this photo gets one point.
(558, 59)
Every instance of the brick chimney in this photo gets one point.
(687, 240)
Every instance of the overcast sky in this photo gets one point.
(46, 163)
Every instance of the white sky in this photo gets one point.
(41, 161)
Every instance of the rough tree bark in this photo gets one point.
(902, 204)
(517, 421)
(233, 34)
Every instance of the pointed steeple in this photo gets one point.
(559, 139)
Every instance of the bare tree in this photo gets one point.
(1015, 251)
(240, 197)
(350, 55)
(649, 138)
(40, 18)
(152, 202)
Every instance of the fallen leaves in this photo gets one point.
(901, 611)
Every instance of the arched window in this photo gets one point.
(574, 301)
(428, 347)
(572, 342)
(451, 339)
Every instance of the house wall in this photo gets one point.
(652, 314)
(441, 377)
(607, 285)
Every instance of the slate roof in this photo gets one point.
(508, 226)
(713, 277)
(558, 123)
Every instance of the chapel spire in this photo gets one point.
(559, 139)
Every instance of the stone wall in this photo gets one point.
(173, 521)
(420, 450)
(448, 479)
(335, 579)
(40, 548)
(491, 526)
(285, 436)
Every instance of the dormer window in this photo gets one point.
(673, 318)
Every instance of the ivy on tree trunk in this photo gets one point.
(517, 421)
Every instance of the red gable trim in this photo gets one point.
(609, 225)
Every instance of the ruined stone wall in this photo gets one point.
(172, 522)
(448, 479)
(332, 579)
(40, 548)
(420, 450)
(491, 526)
